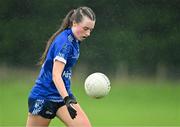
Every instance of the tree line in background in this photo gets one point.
(134, 36)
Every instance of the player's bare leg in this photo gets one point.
(37, 121)
(81, 119)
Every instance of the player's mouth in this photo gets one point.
(84, 37)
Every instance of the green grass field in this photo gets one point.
(130, 103)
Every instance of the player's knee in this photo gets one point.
(81, 124)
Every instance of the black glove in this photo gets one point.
(69, 101)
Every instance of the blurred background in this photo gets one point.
(136, 43)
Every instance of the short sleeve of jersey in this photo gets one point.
(62, 52)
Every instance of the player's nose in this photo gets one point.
(88, 33)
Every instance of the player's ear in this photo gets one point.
(74, 23)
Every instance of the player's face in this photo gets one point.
(83, 29)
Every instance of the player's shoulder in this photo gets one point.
(62, 38)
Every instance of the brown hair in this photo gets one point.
(73, 15)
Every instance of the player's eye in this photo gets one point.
(85, 28)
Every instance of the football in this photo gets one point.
(97, 85)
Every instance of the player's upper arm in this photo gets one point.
(58, 68)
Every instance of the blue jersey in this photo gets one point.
(64, 48)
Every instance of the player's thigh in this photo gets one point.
(37, 121)
(81, 119)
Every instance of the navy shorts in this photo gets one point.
(44, 108)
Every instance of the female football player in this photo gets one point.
(51, 95)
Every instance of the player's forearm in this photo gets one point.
(60, 86)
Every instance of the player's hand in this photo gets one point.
(69, 103)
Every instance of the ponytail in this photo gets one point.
(67, 23)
